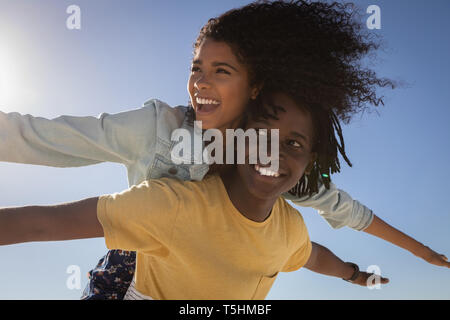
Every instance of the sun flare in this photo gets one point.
(9, 80)
(16, 90)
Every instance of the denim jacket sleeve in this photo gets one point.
(69, 141)
(337, 207)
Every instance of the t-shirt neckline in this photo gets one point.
(238, 214)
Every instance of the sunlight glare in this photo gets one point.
(15, 93)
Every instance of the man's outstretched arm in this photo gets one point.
(323, 261)
(68, 221)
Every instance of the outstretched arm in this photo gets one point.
(339, 209)
(69, 141)
(383, 230)
(323, 261)
(76, 220)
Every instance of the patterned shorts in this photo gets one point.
(112, 276)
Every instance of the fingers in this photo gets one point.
(370, 279)
(442, 261)
(437, 259)
(382, 280)
(445, 263)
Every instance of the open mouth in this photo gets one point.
(266, 171)
(205, 105)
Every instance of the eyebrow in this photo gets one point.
(294, 133)
(297, 134)
(216, 64)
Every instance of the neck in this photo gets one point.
(244, 201)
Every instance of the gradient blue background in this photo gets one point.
(129, 51)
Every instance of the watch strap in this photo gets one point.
(355, 273)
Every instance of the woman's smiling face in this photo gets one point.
(296, 136)
(218, 86)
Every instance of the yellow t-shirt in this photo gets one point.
(192, 243)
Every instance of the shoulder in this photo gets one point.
(168, 193)
(191, 188)
(162, 110)
(180, 188)
(152, 193)
(165, 118)
(294, 221)
(289, 212)
(152, 115)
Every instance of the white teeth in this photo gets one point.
(266, 171)
(206, 101)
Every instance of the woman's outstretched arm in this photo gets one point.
(68, 221)
(69, 141)
(339, 209)
(383, 230)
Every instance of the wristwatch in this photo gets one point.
(355, 273)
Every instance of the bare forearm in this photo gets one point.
(383, 230)
(18, 225)
(323, 261)
(76, 220)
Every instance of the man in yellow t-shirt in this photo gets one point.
(226, 237)
(192, 243)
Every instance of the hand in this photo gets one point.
(433, 257)
(363, 279)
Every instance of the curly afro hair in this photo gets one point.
(313, 52)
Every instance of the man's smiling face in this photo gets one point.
(296, 138)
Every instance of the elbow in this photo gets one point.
(362, 218)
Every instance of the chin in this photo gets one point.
(208, 122)
(262, 194)
(262, 187)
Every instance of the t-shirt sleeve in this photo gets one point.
(140, 218)
(302, 250)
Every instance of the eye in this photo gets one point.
(295, 144)
(220, 70)
(195, 69)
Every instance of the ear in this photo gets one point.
(255, 91)
(311, 163)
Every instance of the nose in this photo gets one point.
(281, 152)
(271, 141)
(202, 83)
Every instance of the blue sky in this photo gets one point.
(129, 51)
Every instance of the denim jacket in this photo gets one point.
(140, 139)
